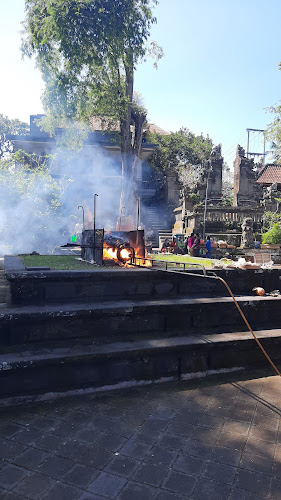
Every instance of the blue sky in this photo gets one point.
(219, 73)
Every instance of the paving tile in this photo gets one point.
(67, 428)
(136, 491)
(135, 449)
(122, 466)
(164, 412)
(181, 428)
(210, 490)
(189, 465)
(211, 421)
(90, 496)
(55, 467)
(31, 458)
(34, 485)
(197, 448)
(9, 429)
(188, 417)
(220, 472)
(154, 423)
(205, 434)
(88, 436)
(61, 491)
(11, 475)
(179, 483)
(225, 456)
(149, 436)
(258, 447)
(28, 436)
(10, 449)
(81, 476)
(172, 442)
(238, 494)
(96, 457)
(46, 424)
(234, 427)
(111, 442)
(275, 489)
(107, 485)
(233, 441)
(252, 481)
(263, 434)
(255, 463)
(266, 421)
(150, 474)
(167, 495)
(72, 449)
(12, 495)
(50, 443)
(159, 456)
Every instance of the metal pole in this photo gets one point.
(95, 226)
(248, 133)
(80, 206)
(138, 213)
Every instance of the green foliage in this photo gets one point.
(13, 127)
(273, 132)
(87, 51)
(269, 219)
(178, 149)
(273, 235)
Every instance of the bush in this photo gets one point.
(273, 235)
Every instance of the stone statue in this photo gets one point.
(247, 239)
(240, 151)
(216, 151)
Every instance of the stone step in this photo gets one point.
(110, 321)
(37, 372)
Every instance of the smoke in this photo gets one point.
(39, 208)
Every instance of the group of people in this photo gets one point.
(190, 245)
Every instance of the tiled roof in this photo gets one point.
(100, 123)
(154, 128)
(270, 174)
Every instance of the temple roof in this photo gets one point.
(269, 174)
(103, 124)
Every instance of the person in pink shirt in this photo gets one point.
(190, 244)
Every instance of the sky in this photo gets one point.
(217, 77)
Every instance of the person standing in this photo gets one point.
(196, 245)
(209, 248)
(190, 243)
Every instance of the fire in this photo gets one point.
(110, 253)
(125, 253)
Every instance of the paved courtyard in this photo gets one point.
(208, 440)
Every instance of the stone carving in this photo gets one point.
(216, 151)
(247, 239)
(240, 151)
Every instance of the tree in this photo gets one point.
(181, 153)
(87, 51)
(227, 184)
(13, 127)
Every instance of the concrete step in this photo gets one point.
(110, 321)
(36, 372)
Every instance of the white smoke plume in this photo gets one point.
(39, 210)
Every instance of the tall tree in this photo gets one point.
(13, 127)
(87, 51)
(180, 153)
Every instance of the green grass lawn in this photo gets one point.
(208, 263)
(59, 262)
